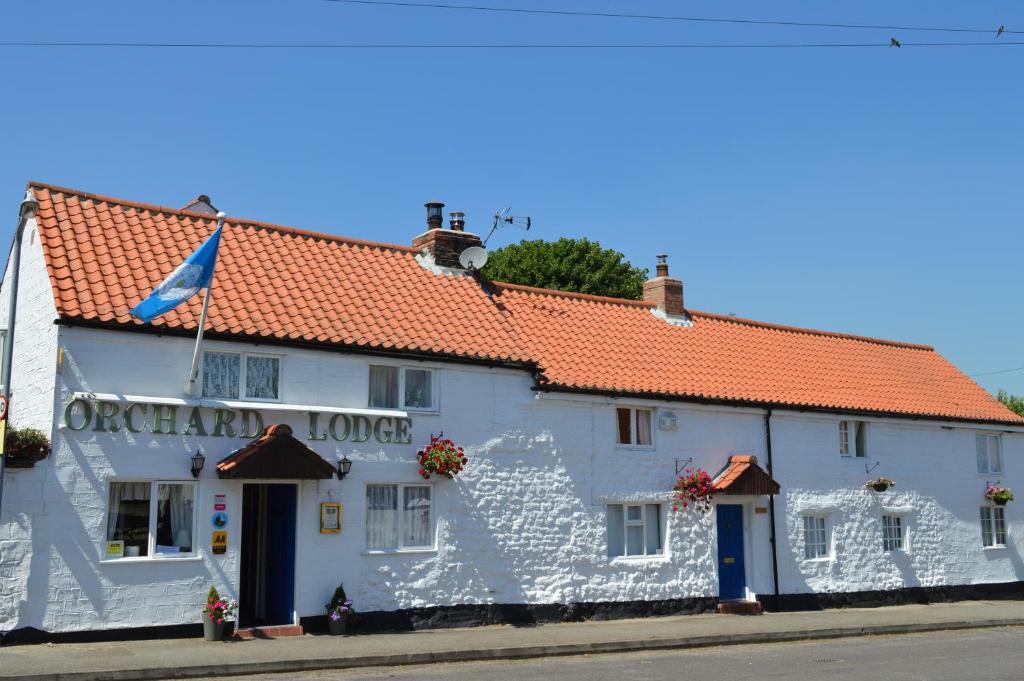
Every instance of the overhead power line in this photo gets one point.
(662, 17)
(495, 46)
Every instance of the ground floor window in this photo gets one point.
(993, 526)
(150, 519)
(634, 529)
(815, 537)
(399, 517)
(892, 533)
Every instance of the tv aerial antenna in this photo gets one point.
(504, 217)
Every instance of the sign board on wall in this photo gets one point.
(115, 549)
(330, 517)
(219, 542)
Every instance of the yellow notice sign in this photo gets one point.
(3, 435)
(115, 549)
(219, 543)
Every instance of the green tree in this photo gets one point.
(1013, 402)
(578, 265)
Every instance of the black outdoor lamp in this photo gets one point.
(198, 461)
(344, 466)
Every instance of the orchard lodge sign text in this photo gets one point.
(170, 419)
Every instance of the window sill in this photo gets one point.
(996, 547)
(818, 561)
(635, 448)
(656, 558)
(399, 552)
(148, 560)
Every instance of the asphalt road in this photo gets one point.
(975, 655)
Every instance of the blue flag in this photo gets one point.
(186, 281)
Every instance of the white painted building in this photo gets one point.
(576, 413)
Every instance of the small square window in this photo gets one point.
(262, 375)
(227, 375)
(414, 386)
(633, 427)
(634, 529)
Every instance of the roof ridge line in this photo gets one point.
(239, 222)
(572, 294)
(810, 331)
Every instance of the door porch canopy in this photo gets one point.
(275, 455)
(742, 475)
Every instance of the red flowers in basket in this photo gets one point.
(693, 489)
(441, 457)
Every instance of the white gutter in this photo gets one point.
(237, 404)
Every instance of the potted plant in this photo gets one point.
(998, 495)
(693, 488)
(24, 447)
(879, 484)
(339, 612)
(441, 457)
(215, 615)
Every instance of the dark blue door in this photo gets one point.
(732, 580)
(280, 553)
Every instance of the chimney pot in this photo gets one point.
(458, 221)
(435, 214)
(662, 268)
(664, 291)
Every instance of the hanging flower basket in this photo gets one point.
(999, 495)
(879, 484)
(441, 457)
(695, 489)
(25, 447)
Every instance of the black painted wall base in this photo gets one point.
(922, 595)
(411, 619)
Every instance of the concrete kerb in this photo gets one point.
(514, 653)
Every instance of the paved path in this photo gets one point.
(193, 658)
(977, 654)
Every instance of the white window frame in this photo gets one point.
(844, 439)
(990, 437)
(826, 542)
(402, 368)
(243, 364)
(642, 523)
(632, 444)
(399, 519)
(898, 542)
(152, 555)
(992, 511)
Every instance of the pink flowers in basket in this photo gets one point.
(694, 488)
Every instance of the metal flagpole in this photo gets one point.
(194, 372)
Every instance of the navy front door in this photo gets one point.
(267, 584)
(732, 580)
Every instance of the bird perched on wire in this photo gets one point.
(894, 43)
(1002, 29)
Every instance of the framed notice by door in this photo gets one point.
(330, 517)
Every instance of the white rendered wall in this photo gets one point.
(27, 521)
(525, 523)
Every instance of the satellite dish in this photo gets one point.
(473, 258)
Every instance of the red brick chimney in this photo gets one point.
(664, 291)
(445, 244)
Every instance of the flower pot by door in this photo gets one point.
(339, 626)
(212, 631)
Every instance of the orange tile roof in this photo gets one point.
(287, 285)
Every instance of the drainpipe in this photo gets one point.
(771, 510)
(29, 206)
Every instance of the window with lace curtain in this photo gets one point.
(234, 375)
(399, 517)
(393, 387)
(151, 519)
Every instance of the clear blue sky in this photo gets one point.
(873, 191)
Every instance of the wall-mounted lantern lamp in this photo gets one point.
(198, 461)
(344, 466)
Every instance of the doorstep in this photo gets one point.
(269, 632)
(739, 608)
